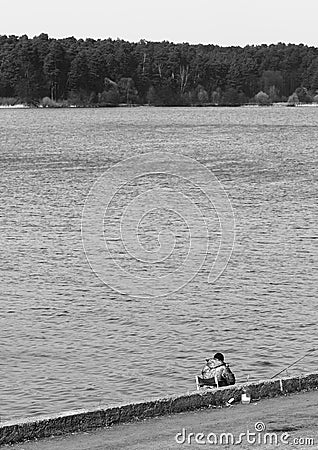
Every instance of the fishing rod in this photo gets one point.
(292, 364)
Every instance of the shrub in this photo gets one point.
(216, 97)
(8, 101)
(293, 99)
(202, 95)
(151, 96)
(109, 98)
(303, 95)
(47, 102)
(262, 99)
(230, 97)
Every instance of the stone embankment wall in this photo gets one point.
(83, 420)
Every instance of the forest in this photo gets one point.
(44, 71)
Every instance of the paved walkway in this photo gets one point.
(291, 421)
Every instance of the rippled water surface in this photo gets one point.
(68, 340)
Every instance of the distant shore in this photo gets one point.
(125, 105)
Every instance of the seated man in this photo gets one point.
(216, 373)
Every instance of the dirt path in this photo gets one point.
(296, 415)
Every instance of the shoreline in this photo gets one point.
(82, 420)
(275, 105)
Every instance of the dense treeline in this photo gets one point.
(110, 72)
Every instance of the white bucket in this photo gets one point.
(245, 398)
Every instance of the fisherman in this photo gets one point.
(217, 372)
(219, 367)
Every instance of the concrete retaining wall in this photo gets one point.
(83, 420)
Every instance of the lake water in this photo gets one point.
(67, 339)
